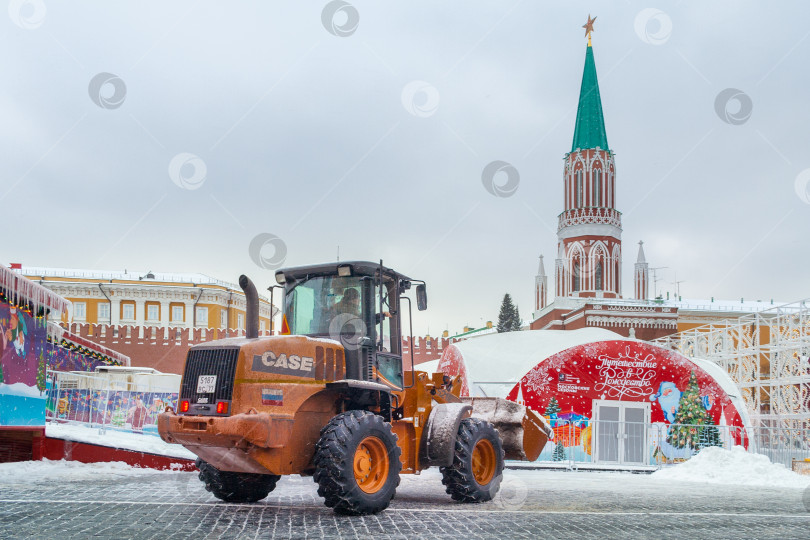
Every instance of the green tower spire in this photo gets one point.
(590, 127)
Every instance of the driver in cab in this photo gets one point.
(350, 303)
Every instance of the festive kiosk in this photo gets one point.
(611, 400)
(31, 350)
(24, 337)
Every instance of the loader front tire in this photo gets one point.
(236, 487)
(357, 463)
(477, 469)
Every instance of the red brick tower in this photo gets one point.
(589, 231)
(587, 271)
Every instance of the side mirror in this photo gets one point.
(421, 297)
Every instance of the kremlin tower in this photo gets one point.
(588, 267)
(589, 234)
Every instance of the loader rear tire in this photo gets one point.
(357, 463)
(477, 469)
(236, 487)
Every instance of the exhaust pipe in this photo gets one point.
(252, 309)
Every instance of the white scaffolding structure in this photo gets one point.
(767, 354)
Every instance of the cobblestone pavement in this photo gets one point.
(532, 504)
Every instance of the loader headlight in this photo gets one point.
(280, 278)
(344, 271)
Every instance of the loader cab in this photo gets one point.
(357, 304)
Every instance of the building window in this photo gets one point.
(262, 326)
(576, 276)
(223, 319)
(103, 313)
(177, 314)
(617, 278)
(598, 276)
(240, 321)
(597, 187)
(202, 315)
(129, 312)
(152, 313)
(578, 188)
(79, 311)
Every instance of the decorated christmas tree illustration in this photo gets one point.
(553, 407)
(710, 435)
(693, 425)
(41, 372)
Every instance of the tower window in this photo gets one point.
(576, 286)
(616, 277)
(598, 276)
(597, 187)
(578, 188)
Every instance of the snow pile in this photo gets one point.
(116, 439)
(714, 465)
(25, 472)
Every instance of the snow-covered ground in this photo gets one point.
(116, 439)
(715, 465)
(55, 471)
(72, 500)
(711, 466)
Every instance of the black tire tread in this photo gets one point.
(458, 478)
(334, 461)
(235, 487)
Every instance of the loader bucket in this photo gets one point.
(524, 432)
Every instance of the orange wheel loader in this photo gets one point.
(329, 398)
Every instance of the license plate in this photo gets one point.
(206, 384)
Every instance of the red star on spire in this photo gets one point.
(588, 26)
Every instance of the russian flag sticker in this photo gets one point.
(272, 396)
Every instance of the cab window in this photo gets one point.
(312, 305)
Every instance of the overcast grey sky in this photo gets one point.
(308, 136)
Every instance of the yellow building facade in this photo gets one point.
(149, 299)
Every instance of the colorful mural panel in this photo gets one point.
(61, 359)
(26, 354)
(22, 367)
(118, 408)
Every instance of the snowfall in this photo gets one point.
(711, 465)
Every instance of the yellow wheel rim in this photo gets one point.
(371, 464)
(484, 462)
